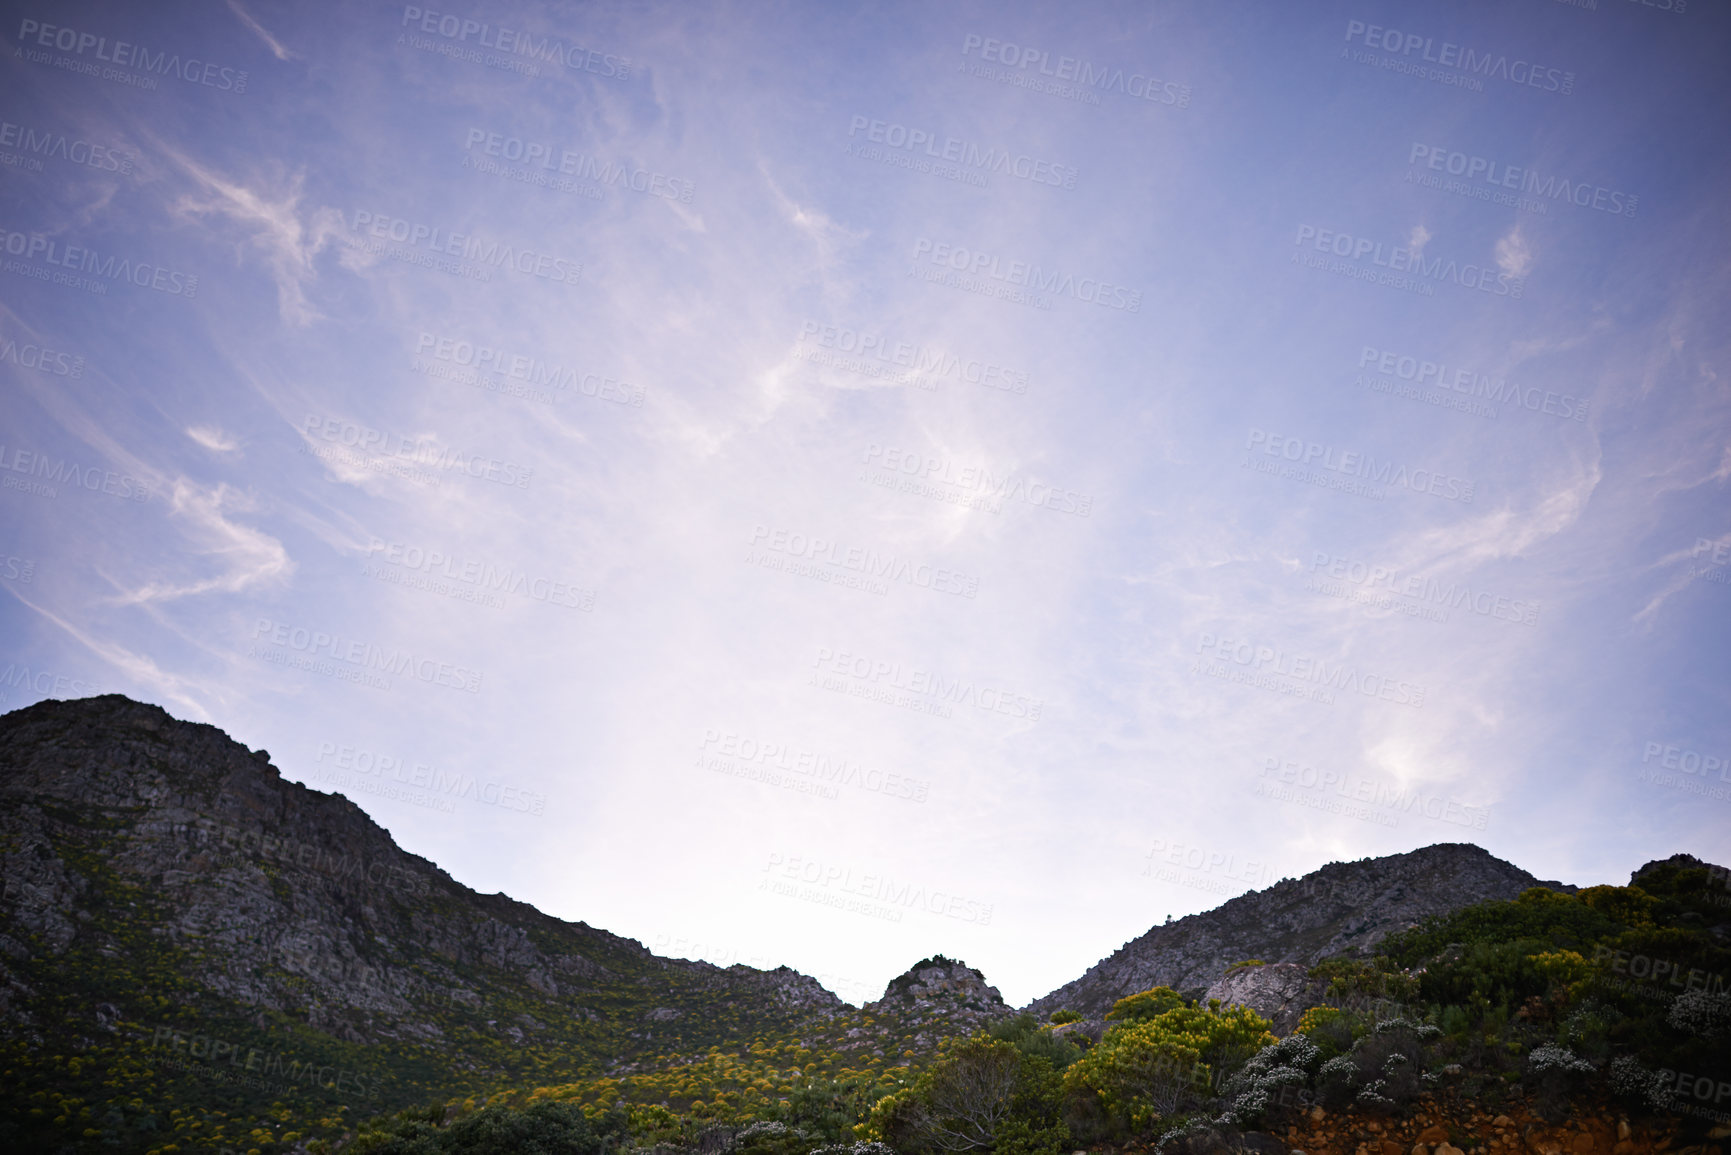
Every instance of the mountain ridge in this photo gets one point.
(161, 882)
(1341, 907)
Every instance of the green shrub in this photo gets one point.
(1148, 1068)
(982, 1094)
(1028, 1036)
(545, 1128)
(1147, 1005)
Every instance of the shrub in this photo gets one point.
(1147, 1005)
(1138, 1077)
(1031, 1038)
(1266, 1083)
(1554, 1073)
(771, 1137)
(1146, 1069)
(1059, 1018)
(862, 1147)
(1630, 1079)
(981, 1094)
(1330, 1028)
(1703, 1013)
(549, 1127)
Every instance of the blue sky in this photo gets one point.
(824, 485)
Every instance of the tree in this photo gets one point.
(983, 1094)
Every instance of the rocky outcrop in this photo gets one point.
(941, 986)
(1279, 992)
(937, 998)
(1343, 908)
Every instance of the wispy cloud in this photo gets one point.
(213, 438)
(277, 48)
(244, 557)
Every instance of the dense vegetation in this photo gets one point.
(1614, 991)
(1617, 991)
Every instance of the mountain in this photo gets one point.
(1342, 908)
(192, 948)
(181, 926)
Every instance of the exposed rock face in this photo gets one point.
(1345, 907)
(272, 897)
(1279, 992)
(938, 997)
(942, 985)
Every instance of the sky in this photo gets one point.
(827, 484)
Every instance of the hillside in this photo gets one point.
(1341, 908)
(184, 926)
(198, 955)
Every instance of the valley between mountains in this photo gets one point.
(197, 955)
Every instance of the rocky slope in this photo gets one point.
(284, 899)
(1344, 907)
(168, 901)
(1279, 992)
(160, 885)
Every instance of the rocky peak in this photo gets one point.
(939, 982)
(1341, 908)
